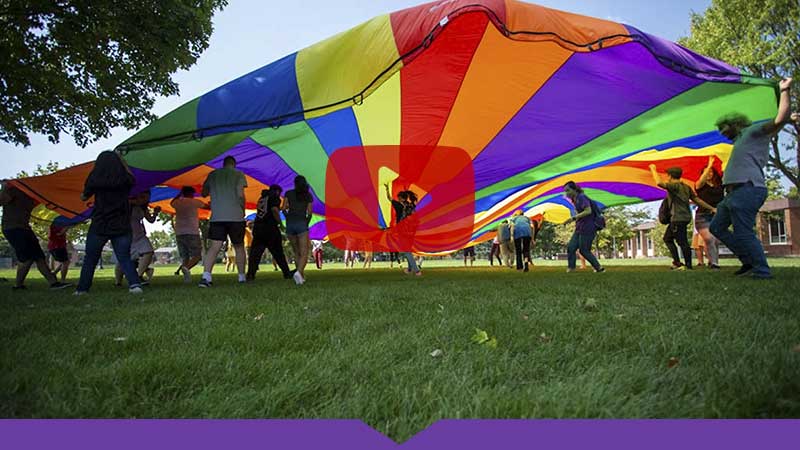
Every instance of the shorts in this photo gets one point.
(220, 231)
(60, 254)
(25, 244)
(702, 220)
(296, 228)
(469, 251)
(697, 241)
(141, 247)
(189, 245)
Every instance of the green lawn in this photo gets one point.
(357, 344)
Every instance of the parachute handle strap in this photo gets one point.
(358, 99)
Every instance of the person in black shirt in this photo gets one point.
(110, 183)
(267, 233)
(709, 188)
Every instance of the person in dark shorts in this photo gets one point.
(57, 247)
(298, 208)
(267, 233)
(469, 254)
(679, 194)
(16, 227)
(226, 188)
(187, 230)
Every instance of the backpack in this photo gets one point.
(665, 211)
(597, 213)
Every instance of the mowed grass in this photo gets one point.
(357, 344)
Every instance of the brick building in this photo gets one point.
(778, 227)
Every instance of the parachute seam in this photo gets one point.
(275, 122)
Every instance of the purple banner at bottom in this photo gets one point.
(355, 435)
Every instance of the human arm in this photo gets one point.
(240, 190)
(699, 202)
(656, 177)
(704, 177)
(309, 212)
(784, 105)
(388, 195)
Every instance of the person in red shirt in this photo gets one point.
(57, 246)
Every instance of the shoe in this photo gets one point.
(18, 288)
(407, 271)
(571, 270)
(678, 266)
(418, 274)
(79, 293)
(204, 283)
(298, 279)
(745, 269)
(144, 283)
(600, 270)
(187, 275)
(178, 272)
(289, 275)
(149, 272)
(136, 290)
(58, 286)
(714, 267)
(526, 268)
(680, 269)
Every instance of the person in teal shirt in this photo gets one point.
(523, 234)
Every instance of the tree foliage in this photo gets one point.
(85, 67)
(761, 37)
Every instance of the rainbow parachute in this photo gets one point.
(530, 96)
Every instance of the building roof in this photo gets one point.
(780, 204)
(651, 225)
(166, 250)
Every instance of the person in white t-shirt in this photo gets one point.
(187, 230)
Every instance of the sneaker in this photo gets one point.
(298, 279)
(290, 275)
(714, 267)
(187, 275)
(18, 288)
(571, 270)
(136, 290)
(59, 285)
(149, 272)
(745, 269)
(679, 269)
(600, 270)
(526, 268)
(678, 266)
(79, 293)
(204, 283)
(178, 272)
(418, 274)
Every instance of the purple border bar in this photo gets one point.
(354, 434)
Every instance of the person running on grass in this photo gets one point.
(523, 234)
(709, 188)
(679, 194)
(226, 188)
(469, 254)
(745, 185)
(110, 183)
(141, 247)
(57, 247)
(585, 228)
(404, 206)
(16, 226)
(267, 233)
(187, 230)
(230, 256)
(297, 207)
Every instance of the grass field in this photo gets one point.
(358, 344)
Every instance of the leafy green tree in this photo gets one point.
(161, 238)
(85, 67)
(762, 37)
(620, 221)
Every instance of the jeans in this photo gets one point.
(583, 243)
(495, 252)
(740, 208)
(412, 263)
(94, 250)
(676, 232)
(522, 246)
(267, 239)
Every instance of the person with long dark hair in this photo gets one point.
(709, 188)
(585, 228)
(298, 208)
(267, 233)
(110, 183)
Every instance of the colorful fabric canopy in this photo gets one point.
(532, 97)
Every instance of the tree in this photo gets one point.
(85, 67)
(547, 244)
(761, 37)
(161, 238)
(620, 221)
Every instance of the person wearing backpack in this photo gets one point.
(588, 221)
(679, 194)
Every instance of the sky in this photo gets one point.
(249, 34)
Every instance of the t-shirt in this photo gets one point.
(584, 225)
(111, 215)
(187, 221)
(712, 195)
(266, 204)
(503, 232)
(225, 186)
(679, 196)
(17, 213)
(749, 157)
(137, 223)
(399, 211)
(522, 227)
(297, 207)
(57, 237)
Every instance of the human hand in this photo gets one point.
(652, 166)
(795, 117)
(785, 84)
(711, 160)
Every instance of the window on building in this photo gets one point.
(777, 230)
(649, 242)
